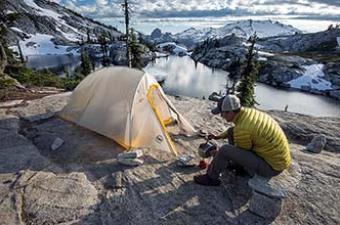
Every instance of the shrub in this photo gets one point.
(43, 78)
(6, 82)
(30, 77)
(70, 83)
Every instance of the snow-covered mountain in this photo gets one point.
(244, 29)
(320, 41)
(173, 48)
(42, 25)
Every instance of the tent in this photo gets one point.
(126, 105)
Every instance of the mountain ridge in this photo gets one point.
(242, 28)
(42, 17)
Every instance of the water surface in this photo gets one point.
(182, 77)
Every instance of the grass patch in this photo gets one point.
(6, 82)
(43, 78)
(32, 78)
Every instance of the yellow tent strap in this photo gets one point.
(152, 104)
(167, 121)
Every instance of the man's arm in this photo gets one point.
(229, 134)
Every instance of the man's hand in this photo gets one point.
(213, 136)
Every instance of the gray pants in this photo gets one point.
(245, 158)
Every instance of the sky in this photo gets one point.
(110, 11)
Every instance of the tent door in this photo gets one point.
(161, 109)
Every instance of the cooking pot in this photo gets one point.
(204, 149)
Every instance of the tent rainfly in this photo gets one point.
(126, 105)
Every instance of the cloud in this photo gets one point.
(95, 8)
(204, 8)
(56, 1)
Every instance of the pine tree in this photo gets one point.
(246, 87)
(3, 55)
(22, 59)
(85, 63)
(330, 27)
(126, 9)
(234, 76)
(103, 41)
(136, 50)
(88, 36)
(6, 55)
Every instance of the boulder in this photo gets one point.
(335, 94)
(302, 129)
(317, 144)
(268, 194)
(130, 161)
(43, 108)
(9, 124)
(316, 91)
(133, 154)
(50, 198)
(265, 206)
(306, 88)
(332, 73)
(17, 153)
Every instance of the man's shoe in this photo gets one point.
(206, 180)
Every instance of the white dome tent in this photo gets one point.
(126, 105)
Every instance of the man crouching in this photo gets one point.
(257, 143)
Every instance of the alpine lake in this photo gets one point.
(182, 76)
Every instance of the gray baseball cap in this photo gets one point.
(226, 104)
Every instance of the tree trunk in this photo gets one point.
(127, 20)
(22, 59)
(3, 59)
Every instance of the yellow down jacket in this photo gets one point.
(257, 131)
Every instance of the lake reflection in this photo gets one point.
(52, 61)
(183, 77)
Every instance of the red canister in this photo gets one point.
(203, 164)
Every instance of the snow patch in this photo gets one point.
(75, 35)
(161, 54)
(70, 36)
(338, 40)
(312, 78)
(42, 11)
(16, 29)
(41, 44)
(262, 53)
